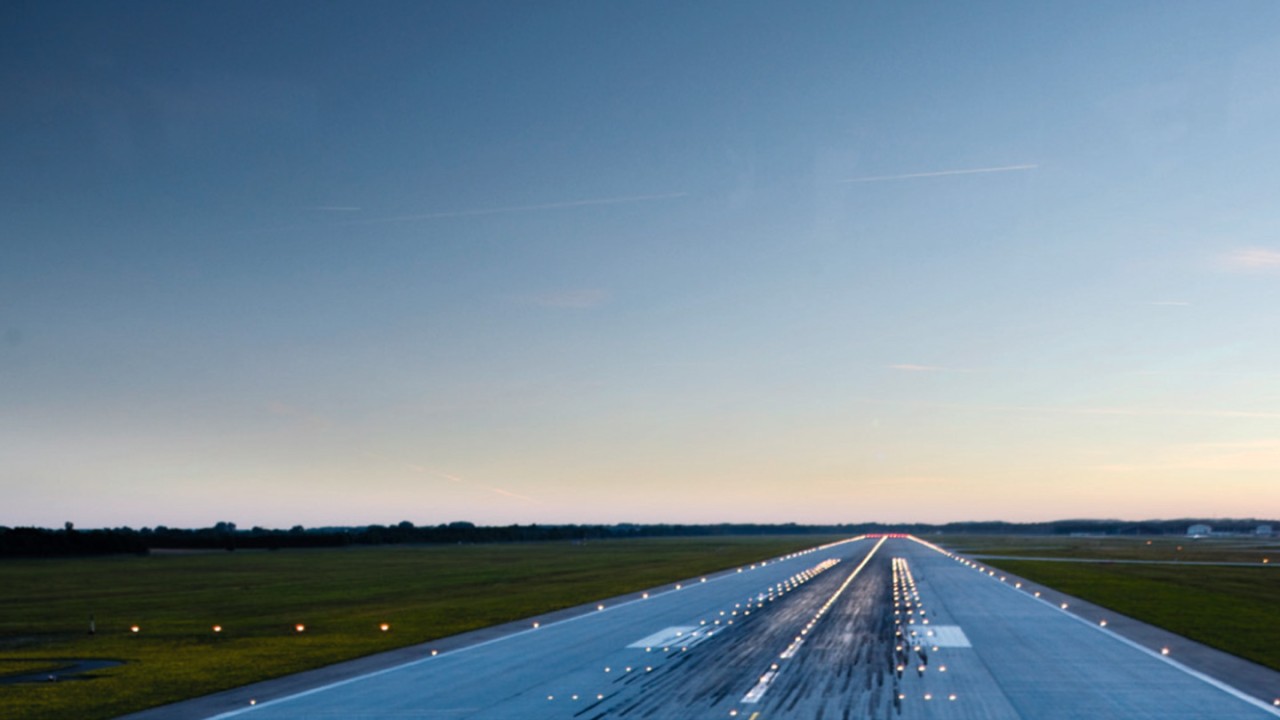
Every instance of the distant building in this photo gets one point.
(1263, 531)
(1199, 530)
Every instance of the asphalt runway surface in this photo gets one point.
(868, 628)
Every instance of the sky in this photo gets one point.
(592, 262)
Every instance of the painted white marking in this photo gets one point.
(791, 651)
(758, 691)
(680, 634)
(944, 636)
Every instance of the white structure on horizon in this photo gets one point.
(1199, 530)
(1263, 531)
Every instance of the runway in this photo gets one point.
(868, 628)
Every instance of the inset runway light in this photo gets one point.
(1064, 606)
(1164, 651)
(599, 607)
(537, 625)
(299, 628)
(217, 628)
(384, 627)
(1102, 623)
(134, 628)
(253, 702)
(952, 696)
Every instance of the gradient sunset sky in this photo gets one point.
(346, 263)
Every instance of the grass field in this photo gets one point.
(1176, 549)
(258, 598)
(1232, 608)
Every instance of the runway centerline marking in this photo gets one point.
(755, 694)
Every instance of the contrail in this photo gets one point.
(447, 476)
(520, 208)
(498, 490)
(940, 173)
(911, 367)
(508, 493)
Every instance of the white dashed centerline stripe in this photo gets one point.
(762, 686)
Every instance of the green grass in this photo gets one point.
(1159, 548)
(1229, 608)
(423, 592)
(23, 667)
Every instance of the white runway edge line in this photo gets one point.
(1234, 692)
(649, 595)
(757, 693)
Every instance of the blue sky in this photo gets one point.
(338, 263)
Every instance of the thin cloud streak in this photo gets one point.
(423, 470)
(1252, 259)
(624, 200)
(909, 367)
(508, 493)
(1239, 457)
(941, 173)
(464, 481)
(1133, 412)
(1063, 410)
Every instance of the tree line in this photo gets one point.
(38, 542)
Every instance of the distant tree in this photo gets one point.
(69, 526)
